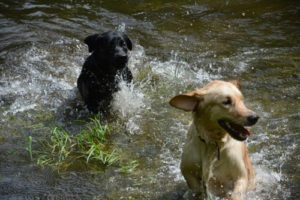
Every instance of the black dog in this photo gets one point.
(104, 68)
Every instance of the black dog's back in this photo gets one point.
(103, 69)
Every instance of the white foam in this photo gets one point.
(266, 180)
(180, 71)
(128, 100)
(132, 126)
(39, 80)
(122, 27)
(16, 107)
(171, 166)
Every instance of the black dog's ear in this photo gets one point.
(128, 41)
(91, 41)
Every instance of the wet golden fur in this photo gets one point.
(213, 162)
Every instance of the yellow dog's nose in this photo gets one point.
(252, 119)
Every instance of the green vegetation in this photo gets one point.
(90, 149)
(29, 146)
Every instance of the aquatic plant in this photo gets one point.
(129, 167)
(93, 144)
(90, 149)
(29, 146)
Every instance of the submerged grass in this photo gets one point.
(29, 147)
(90, 149)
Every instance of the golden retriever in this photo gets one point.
(215, 159)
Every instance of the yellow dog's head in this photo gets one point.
(221, 104)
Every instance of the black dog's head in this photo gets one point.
(111, 47)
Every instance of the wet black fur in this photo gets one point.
(98, 79)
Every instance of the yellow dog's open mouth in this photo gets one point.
(236, 131)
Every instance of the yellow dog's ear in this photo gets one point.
(186, 102)
(236, 83)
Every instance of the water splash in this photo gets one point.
(128, 100)
(176, 69)
(42, 76)
(266, 180)
(122, 27)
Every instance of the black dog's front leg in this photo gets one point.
(89, 89)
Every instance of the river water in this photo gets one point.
(178, 46)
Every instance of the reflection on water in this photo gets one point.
(179, 46)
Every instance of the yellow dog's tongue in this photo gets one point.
(248, 132)
(240, 129)
(236, 131)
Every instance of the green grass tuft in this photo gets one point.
(88, 150)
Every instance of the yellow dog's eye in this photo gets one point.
(228, 101)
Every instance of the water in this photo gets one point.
(179, 46)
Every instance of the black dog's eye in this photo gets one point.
(228, 101)
(122, 43)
